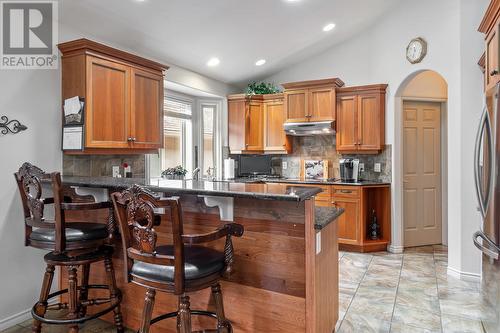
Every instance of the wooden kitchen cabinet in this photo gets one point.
(309, 101)
(107, 120)
(490, 27)
(255, 125)
(348, 223)
(358, 203)
(361, 119)
(146, 116)
(123, 96)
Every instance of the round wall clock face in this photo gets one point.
(416, 50)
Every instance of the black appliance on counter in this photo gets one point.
(349, 170)
(254, 165)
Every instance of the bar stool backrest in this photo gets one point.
(29, 180)
(135, 209)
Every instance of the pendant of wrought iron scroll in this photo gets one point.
(11, 126)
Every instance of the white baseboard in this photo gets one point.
(20, 317)
(465, 276)
(15, 319)
(395, 249)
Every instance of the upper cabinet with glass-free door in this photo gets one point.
(361, 119)
(311, 101)
(490, 28)
(255, 124)
(123, 96)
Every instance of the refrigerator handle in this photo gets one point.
(494, 254)
(477, 158)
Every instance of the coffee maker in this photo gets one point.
(349, 170)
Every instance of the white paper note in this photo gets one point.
(72, 106)
(73, 138)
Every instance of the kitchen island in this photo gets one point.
(285, 272)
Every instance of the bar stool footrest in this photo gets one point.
(193, 312)
(69, 321)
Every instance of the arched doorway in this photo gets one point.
(420, 160)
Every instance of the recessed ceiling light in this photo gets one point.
(260, 62)
(329, 27)
(213, 62)
(140, 0)
(292, 0)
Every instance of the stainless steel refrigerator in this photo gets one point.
(487, 180)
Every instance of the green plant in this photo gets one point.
(261, 88)
(176, 171)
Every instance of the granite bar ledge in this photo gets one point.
(282, 192)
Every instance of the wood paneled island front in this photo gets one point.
(285, 272)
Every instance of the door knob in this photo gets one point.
(494, 72)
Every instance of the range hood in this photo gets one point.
(310, 128)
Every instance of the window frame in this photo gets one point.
(216, 105)
(186, 100)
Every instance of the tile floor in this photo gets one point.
(408, 292)
(386, 292)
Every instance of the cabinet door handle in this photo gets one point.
(494, 72)
(334, 203)
(345, 191)
(129, 139)
(134, 139)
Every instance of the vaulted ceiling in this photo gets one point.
(188, 33)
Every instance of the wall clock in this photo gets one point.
(416, 50)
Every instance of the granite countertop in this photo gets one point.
(325, 215)
(265, 191)
(311, 181)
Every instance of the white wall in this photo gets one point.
(378, 56)
(34, 97)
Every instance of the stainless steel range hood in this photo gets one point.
(310, 128)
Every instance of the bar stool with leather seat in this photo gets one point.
(179, 268)
(71, 245)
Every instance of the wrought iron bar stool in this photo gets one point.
(71, 245)
(180, 268)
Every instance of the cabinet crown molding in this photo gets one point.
(84, 46)
(310, 84)
(490, 17)
(368, 88)
(254, 97)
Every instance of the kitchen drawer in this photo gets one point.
(346, 191)
(325, 196)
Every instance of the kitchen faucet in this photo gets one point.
(196, 174)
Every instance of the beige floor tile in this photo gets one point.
(417, 317)
(418, 298)
(453, 324)
(357, 323)
(471, 305)
(17, 329)
(377, 307)
(401, 328)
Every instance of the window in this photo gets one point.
(178, 135)
(192, 136)
(209, 117)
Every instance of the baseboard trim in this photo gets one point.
(15, 319)
(465, 276)
(395, 249)
(20, 317)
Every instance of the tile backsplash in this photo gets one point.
(102, 165)
(323, 148)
